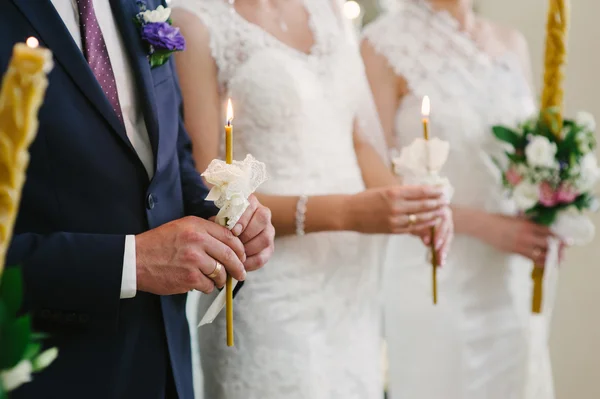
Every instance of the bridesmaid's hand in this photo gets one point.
(444, 234)
(519, 236)
(395, 210)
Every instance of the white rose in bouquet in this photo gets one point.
(586, 121)
(526, 195)
(541, 152)
(589, 172)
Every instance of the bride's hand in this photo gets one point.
(395, 210)
(444, 233)
(518, 235)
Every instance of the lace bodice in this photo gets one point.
(470, 92)
(294, 111)
(307, 326)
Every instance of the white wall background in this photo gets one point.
(576, 331)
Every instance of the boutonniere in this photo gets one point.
(158, 33)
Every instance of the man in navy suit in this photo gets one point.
(112, 230)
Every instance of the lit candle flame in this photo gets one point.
(426, 107)
(32, 42)
(229, 112)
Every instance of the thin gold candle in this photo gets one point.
(552, 99)
(425, 111)
(229, 283)
(21, 96)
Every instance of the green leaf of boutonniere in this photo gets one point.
(159, 58)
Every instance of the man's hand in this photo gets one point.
(257, 234)
(179, 256)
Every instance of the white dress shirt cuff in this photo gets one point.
(129, 278)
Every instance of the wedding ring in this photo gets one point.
(412, 219)
(216, 272)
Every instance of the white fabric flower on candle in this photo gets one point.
(232, 185)
(421, 162)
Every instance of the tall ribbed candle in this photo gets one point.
(552, 103)
(23, 89)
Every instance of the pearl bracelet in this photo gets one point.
(301, 214)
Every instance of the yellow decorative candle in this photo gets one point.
(425, 110)
(552, 100)
(554, 63)
(22, 93)
(229, 283)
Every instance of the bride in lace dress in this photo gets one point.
(477, 342)
(308, 325)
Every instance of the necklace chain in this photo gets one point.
(282, 24)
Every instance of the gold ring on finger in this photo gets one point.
(216, 272)
(412, 219)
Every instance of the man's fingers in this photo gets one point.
(226, 237)
(261, 219)
(241, 224)
(227, 257)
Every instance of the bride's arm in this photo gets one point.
(382, 210)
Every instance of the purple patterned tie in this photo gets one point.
(96, 54)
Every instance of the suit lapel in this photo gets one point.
(124, 12)
(54, 34)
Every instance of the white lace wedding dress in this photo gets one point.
(480, 341)
(307, 326)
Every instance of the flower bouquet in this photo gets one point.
(551, 168)
(547, 175)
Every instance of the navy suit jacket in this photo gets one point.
(86, 189)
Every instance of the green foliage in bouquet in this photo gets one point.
(546, 174)
(20, 347)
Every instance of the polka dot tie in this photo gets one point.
(96, 53)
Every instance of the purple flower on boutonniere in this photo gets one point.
(158, 33)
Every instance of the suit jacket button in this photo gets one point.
(84, 318)
(150, 202)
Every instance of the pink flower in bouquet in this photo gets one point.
(513, 177)
(566, 194)
(548, 196)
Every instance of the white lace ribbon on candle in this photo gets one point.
(232, 185)
(420, 163)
